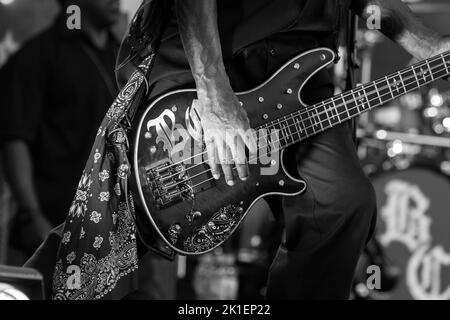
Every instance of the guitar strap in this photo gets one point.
(143, 41)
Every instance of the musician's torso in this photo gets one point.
(257, 36)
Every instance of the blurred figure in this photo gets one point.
(54, 93)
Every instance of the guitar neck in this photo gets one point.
(309, 121)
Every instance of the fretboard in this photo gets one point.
(319, 117)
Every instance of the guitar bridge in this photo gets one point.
(169, 183)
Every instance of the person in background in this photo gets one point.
(54, 94)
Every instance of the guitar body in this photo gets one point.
(190, 211)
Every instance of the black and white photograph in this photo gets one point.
(224, 154)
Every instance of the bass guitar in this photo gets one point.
(191, 211)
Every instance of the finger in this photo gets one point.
(225, 160)
(237, 148)
(213, 158)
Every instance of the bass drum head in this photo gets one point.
(414, 229)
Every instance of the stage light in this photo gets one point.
(395, 149)
(20, 284)
(430, 112)
(397, 146)
(6, 2)
(381, 134)
(446, 122)
(436, 100)
(438, 128)
(8, 292)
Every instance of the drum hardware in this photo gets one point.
(408, 138)
(437, 112)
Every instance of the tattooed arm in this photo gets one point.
(223, 119)
(400, 24)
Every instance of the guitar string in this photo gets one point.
(378, 97)
(309, 135)
(358, 90)
(342, 96)
(325, 111)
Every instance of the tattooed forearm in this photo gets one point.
(197, 23)
(400, 24)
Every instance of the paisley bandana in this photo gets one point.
(97, 257)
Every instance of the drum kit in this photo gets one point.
(404, 148)
(406, 152)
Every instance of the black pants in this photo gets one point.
(325, 229)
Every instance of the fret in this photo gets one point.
(428, 65)
(336, 110)
(395, 84)
(282, 132)
(327, 110)
(445, 63)
(267, 125)
(313, 118)
(362, 99)
(352, 106)
(354, 112)
(342, 109)
(272, 140)
(298, 130)
(309, 128)
(368, 101)
(415, 75)
(371, 95)
(267, 132)
(327, 114)
(302, 127)
(378, 93)
(408, 73)
(439, 71)
(389, 86)
(271, 128)
(288, 128)
(308, 121)
(423, 74)
(323, 116)
(317, 117)
(402, 81)
(261, 134)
